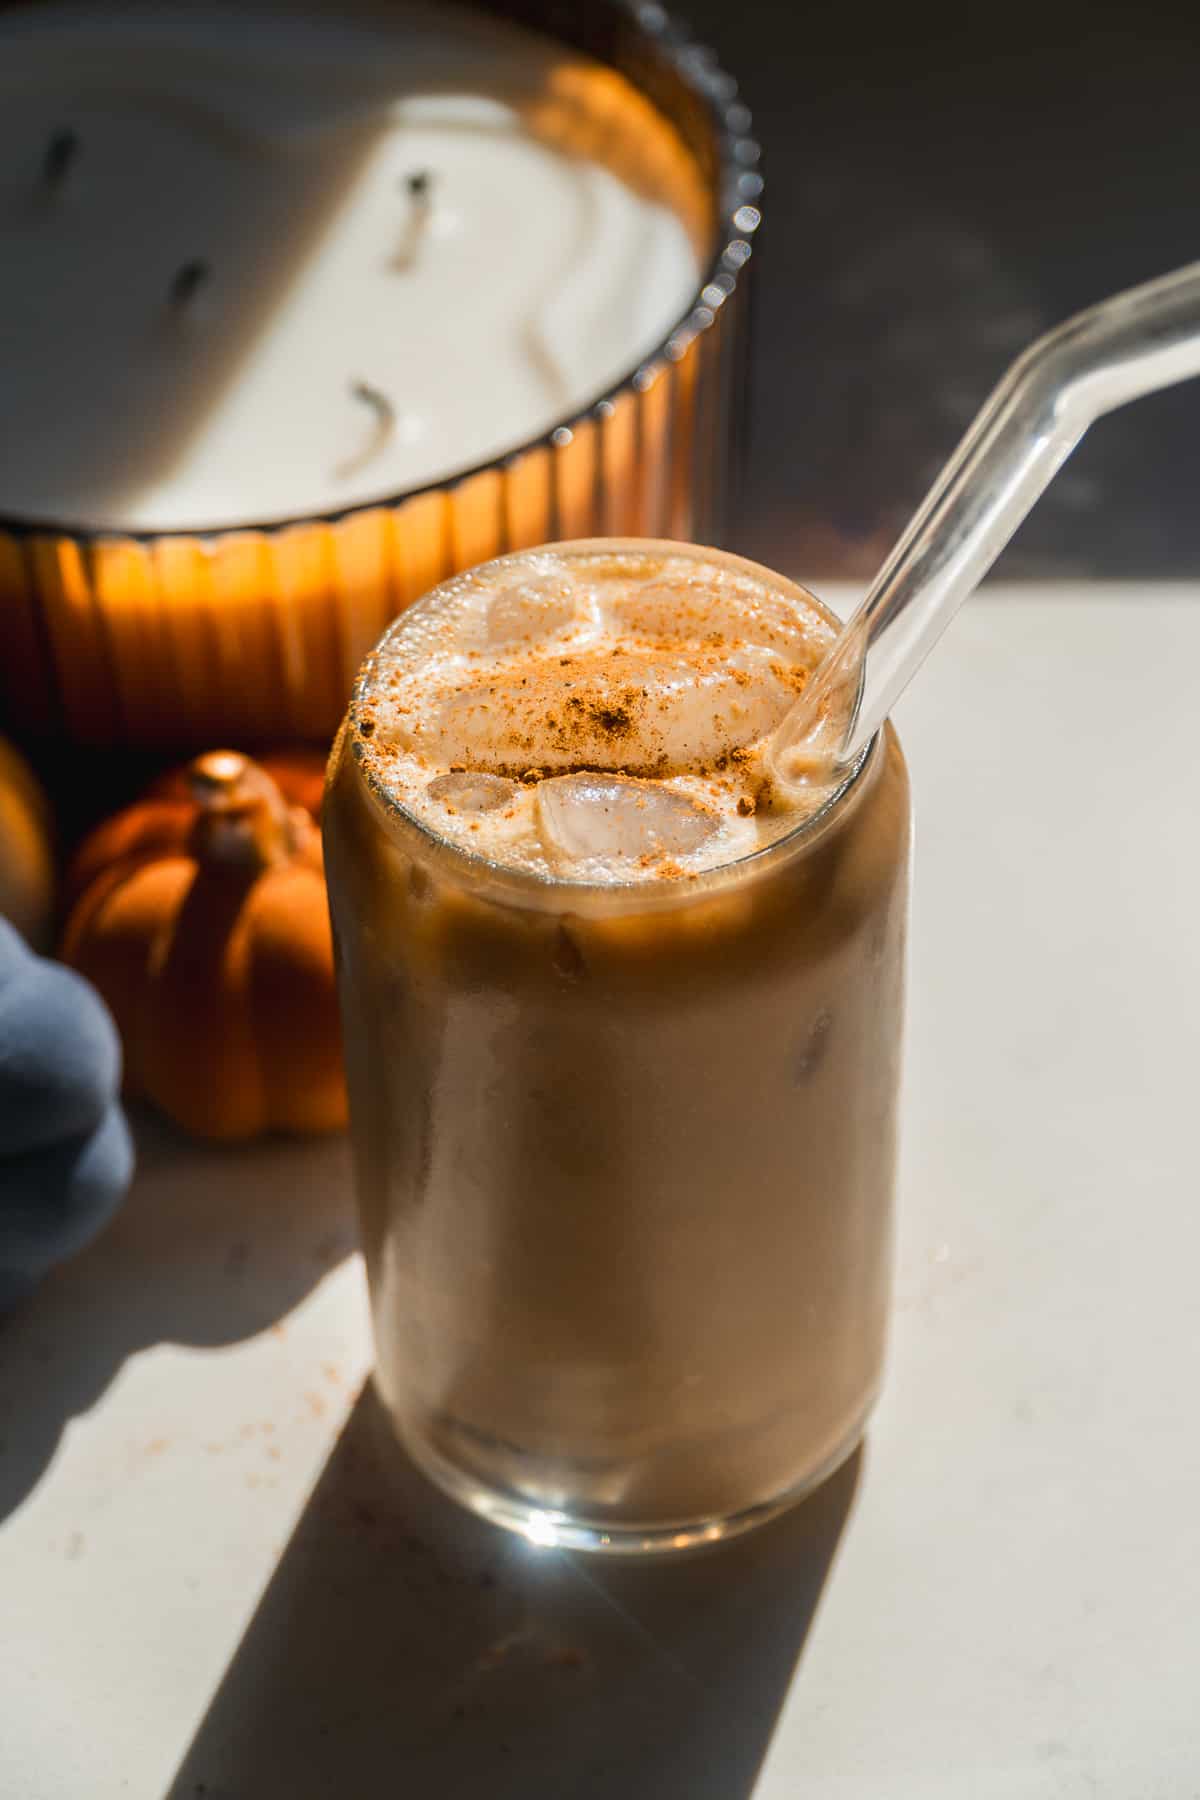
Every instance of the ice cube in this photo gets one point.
(471, 790)
(644, 713)
(610, 818)
(530, 611)
(730, 612)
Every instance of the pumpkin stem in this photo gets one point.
(243, 821)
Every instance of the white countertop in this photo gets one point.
(212, 1584)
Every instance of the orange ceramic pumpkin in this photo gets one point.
(200, 915)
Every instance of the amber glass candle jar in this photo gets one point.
(128, 627)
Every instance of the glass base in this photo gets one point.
(555, 1529)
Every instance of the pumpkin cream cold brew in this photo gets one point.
(622, 1025)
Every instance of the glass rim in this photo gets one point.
(737, 191)
(662, 891)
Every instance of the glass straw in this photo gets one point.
(1133, 344)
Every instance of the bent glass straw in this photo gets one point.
(1133, 344)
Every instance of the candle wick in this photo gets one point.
(61, 151)
(385, 423)
(188, 279)
(376, 399)
(419, 187)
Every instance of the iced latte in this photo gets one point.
(622, 1023)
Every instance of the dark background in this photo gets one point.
(941, 186)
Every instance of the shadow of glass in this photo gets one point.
(212, 1246)
(405, 1646)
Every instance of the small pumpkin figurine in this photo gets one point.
(199, 914)
(26, 855)
(65, 1152)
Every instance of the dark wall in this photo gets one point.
(942, 185)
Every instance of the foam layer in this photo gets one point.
(594, 713)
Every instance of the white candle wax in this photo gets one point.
(223, 299)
